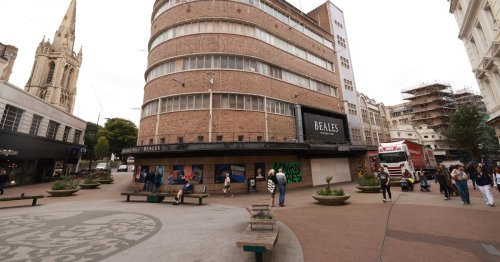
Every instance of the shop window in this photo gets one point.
(52, 129)
(76, 137)
(11, 118)
(237, 173)
(67, 129)
(35, 125)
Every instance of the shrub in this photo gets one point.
(369, 180)
(66, 183)
(90, 179)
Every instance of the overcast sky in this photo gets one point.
(394, 44)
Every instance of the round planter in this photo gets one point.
(107, 181)
(90, 186)
(331, 200)
(369, 189)
(61, 193)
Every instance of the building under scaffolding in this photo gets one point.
(431, 105)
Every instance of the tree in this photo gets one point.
(91, 136)
(102, 147)
(469, 131)
(121, 133)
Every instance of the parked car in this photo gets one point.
(122, 168)
(102, 166)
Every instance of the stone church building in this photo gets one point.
(56, 67)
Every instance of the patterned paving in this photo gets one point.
(72, 236)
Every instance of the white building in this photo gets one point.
(479, 27)
(35, 137)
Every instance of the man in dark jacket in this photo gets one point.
(442, 179)
(484, 184)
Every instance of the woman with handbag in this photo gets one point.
(271, 184)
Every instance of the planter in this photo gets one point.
(90, 186)
(64, 192)
(105, 181)
(369, 189)
(331, 200)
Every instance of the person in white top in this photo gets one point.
(227, 186)
(460, 177)
(496, 178)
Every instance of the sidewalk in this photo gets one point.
(417, 226)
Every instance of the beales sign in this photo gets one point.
(323, 128)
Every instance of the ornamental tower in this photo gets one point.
(56, 67)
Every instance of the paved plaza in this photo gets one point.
(98, 225)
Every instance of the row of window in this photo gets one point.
(239, 29)
(352, 109)
(266, 8)
(240, 63)
(344, 62)
(341, 41)
(12, 117)
(348, 85)
(339, 24)
(219, 101)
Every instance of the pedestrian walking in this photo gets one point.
(150, 178)
(442, 178)
(384, 178)
(496, 178)
(4, 178)
(227, 186)
(484, 184)
(271, 184)
(460, 177)
(281, 179)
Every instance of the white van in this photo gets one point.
(102, 166)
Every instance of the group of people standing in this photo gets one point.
(455, 179)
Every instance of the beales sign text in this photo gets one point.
(323, 128)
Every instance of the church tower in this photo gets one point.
(56, 67)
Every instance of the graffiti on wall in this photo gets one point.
(292, 171)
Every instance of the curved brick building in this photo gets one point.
(241, 87)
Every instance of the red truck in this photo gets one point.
(396, 157)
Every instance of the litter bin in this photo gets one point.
(252, 185)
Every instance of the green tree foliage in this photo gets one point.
(121, 133)
(102, 147)
(467, 130)
(90, 135)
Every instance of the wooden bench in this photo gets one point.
(258, 241)
(23, 197)
(171, 191)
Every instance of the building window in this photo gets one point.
(241, 138)
(341, 41)
(426, 136)
(200, 139)
(364, 114)
(345, 62)
(52, 130)
(11, 118)
(352, 109)
(337, 23)
(67, 129)
(348, 85)
(180, 139)
(162, 140)
(50, 75)
(259, 138)
(219, 138)
(76, 138)
(150, 141)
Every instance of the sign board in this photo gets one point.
(324, 127)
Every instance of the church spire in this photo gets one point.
(64, 38)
